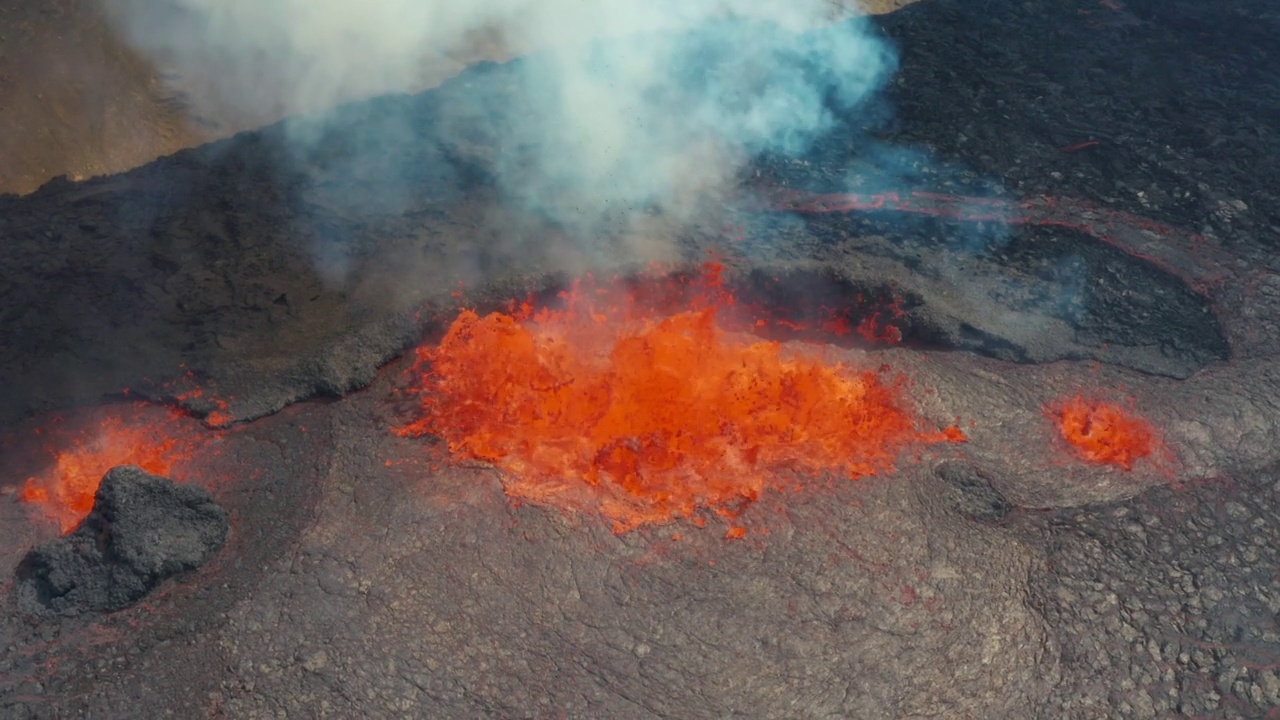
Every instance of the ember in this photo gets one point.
(1104, 433)
(143, 438)
(650, 416)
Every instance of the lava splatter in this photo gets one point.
(648, 414)
(84, 449)
(1103, 432)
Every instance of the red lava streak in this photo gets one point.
(148, 437)
(1105, 433)
(651, 415)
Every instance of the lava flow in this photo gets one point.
(651, 414)
(1105, 433)
(84, 449)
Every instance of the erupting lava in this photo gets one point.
(66, 490)
(647, 414)
(1105, 433)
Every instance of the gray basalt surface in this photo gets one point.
(364, 576)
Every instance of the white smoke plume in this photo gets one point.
(630, 102)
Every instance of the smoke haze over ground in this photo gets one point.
(627, 105)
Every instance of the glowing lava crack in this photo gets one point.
(649, 418)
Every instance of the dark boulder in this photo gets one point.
(143, 529)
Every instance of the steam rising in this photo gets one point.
(628, 105)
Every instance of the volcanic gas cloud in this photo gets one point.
(617, 401)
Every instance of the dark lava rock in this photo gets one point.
(1164, 605)
(143, 529)
(970, 493)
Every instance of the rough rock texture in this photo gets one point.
(1004, 578)
(143, 530)
(1198, 639)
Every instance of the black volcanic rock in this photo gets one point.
(143, 529)
(970, 493)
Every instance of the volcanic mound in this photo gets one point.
(143, 530)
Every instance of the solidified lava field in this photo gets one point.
(1054, 331)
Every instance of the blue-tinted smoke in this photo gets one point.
(663, 120)
(623, 107)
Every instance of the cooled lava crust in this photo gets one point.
(369, 574)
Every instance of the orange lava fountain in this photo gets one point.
(1105, 433)
(66, 490)
(648, 416)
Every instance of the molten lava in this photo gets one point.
(1103, 432)
(149, 438)
(650, 416)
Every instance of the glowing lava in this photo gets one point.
(1105, 433)
(152, 440)
(649, 416)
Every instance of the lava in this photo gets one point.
(651, 414)
(1103, 432)
(83, 451)
(196, 398)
